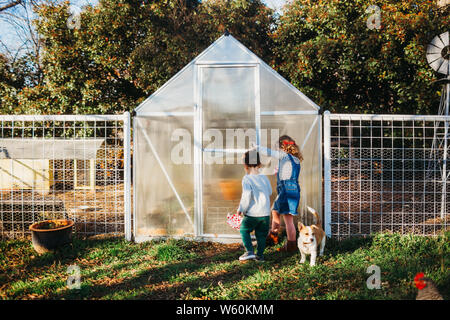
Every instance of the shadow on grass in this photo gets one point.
(200, 286)
(33, 262)
(78, 248)
(347, 245)
(158, 279)
(203, 273)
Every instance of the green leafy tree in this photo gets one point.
(177, 34)
(327, 50)
(15, 76)
(123, 50)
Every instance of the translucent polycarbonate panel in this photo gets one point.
(177, 95)
(228, 104)
(305, 131)
(279, 95)
(222, 187)
(158, 210)
(228, 92)
(227, 49)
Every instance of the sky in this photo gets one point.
(275, 4)
(10, 38)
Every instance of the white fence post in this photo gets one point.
(127, 174)
(327, 172)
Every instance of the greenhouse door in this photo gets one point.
(228, 123)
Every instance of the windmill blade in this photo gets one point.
(438, 53)
(433, 49)
(437, 64)
(445, 38)
(431, 57)
(444, 68)
(437, 42)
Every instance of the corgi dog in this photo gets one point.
(311, 237)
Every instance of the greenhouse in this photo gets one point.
(189, 137)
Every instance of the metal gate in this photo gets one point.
(385, 173)
(65, 166)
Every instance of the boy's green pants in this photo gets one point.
(261, 227)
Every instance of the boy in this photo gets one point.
(255, 206)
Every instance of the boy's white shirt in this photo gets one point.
(255, 199)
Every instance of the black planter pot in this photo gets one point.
(47, 240)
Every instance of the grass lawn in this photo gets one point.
(175, 269)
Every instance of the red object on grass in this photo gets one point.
(420, 284)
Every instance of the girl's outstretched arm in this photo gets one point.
(271, 153)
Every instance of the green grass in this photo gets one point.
(176, 269)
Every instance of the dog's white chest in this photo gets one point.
(307, 248)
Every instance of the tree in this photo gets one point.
(19, 15)
(178, 33)
(327, 50)
(14, 77)
(5, 5)
(123, 50)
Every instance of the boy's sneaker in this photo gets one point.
(260, 258)
(247, 256)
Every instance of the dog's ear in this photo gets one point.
(300, 226)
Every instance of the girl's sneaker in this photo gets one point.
(247, 256)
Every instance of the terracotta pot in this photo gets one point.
(47, 239)
(231, 189)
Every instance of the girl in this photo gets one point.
(288, 188)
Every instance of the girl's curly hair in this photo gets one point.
(288, 145)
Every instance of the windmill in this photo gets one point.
(438, 56)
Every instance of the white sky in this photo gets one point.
(10, 38)
(275, 4)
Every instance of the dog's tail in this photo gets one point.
(316, 215)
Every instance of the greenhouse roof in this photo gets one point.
(178, 94)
